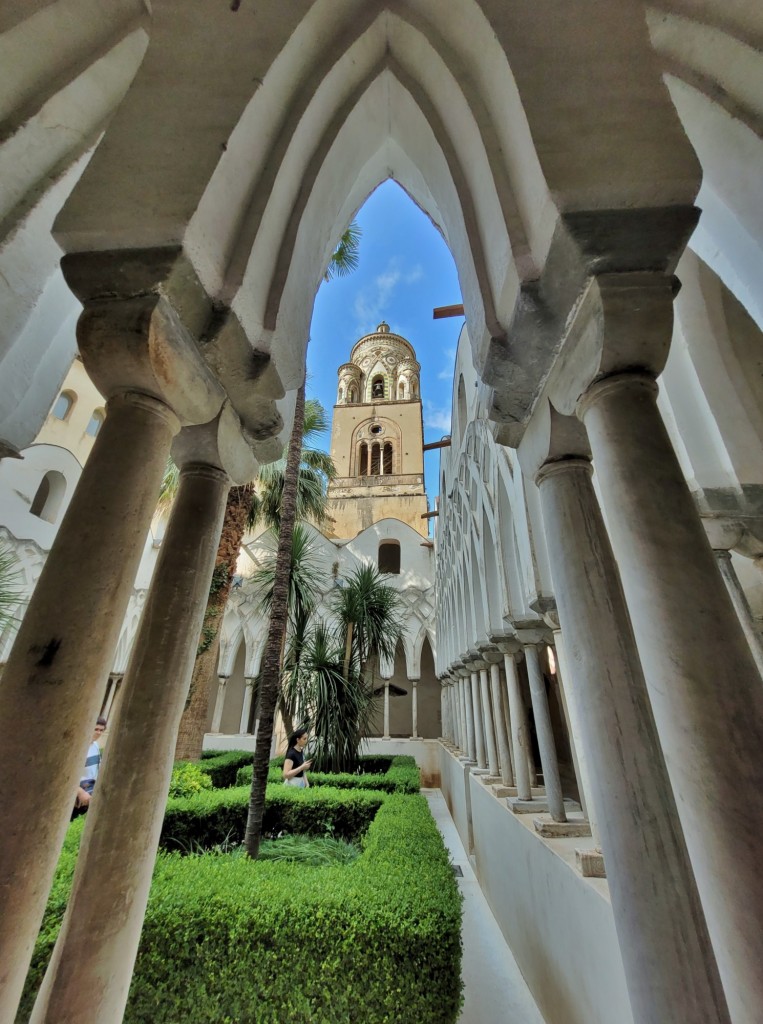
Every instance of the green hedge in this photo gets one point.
(232, 941)
(222, 765)
(219, 816)
(401, 775)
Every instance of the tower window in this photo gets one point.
(341, 395)
(388, 457)
(46, 503)
(377, 387)
(389, 556)
(375, 459)
(363, 460)
(351, 395)
(64, 405)
(95, 424)
(401, 389)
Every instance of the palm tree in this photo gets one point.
(10, 588)
(346, 257)
(247, 506)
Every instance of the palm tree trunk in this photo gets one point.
(347, 651)
(270, 673)
(194, 721)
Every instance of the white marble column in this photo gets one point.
(462, 733)
(471, 743)
(414, 710)
(487, 721)
(520, 729)
(501, 728)
(479, 732)
(544, 732)
(704, 686)
(61, 658)
(739, 600)
(386, 709)
(217, 714)
(668, 959)
(246, 709)
(88, 978)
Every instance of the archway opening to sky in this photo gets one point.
(405, 271)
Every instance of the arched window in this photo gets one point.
(401, 390)
(387, 466)
(96, 422)
(64, 405)
(363, 460)
(46, 503)
(351, 395)
(389, 556)
(375, 459)
(461, 408)
(341, 395)
(414, 388)
(377, 387)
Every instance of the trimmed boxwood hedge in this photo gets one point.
(232, 941)
(221, 765)
(393, 775)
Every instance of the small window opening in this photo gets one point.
(49, 496)
(63, 405)
(351, 395)
(95, 424)
(377, 387)
(388, 457)
(363, 460)
(376, 459)
(389, 557)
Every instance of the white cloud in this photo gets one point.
(372, 301)
(436, 417)
(447, 371)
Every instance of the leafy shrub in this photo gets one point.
(398, 775)
(188, 780)
(378, 941)
(219, 816)
(222, 767)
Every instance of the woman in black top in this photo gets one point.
(295, 766)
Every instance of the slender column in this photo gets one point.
(520, 729)
(507, 716)
(667, 956)
(386, 709)
(471, 744)
(501, 731)
(742, 608)
(63, 653)
(545, 735)
(217, 715)
(479, 733)
(88, 979)
(703, 683)
(247, 706)
(487, 720)
(462, 733)
(571, 701)
(414, 710)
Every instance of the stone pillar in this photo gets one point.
(386, 709)
(414, 710)
(704, 686)
(520, 729)
(667, 956)
(471, 744)
(742, 608)
(571, 699)
(247, 705)
(479, 732)
(544, 732)
(62, 655)
(487, 720)
(217, 715)
(88, 978)
(501, 729)
(461, 706)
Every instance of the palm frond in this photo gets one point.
(169, 487)
(346, 257)
(316, 419)
(11, 591)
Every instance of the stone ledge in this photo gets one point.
(562, 829)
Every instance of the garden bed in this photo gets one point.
(233, 941)
(389, 774)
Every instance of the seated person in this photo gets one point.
(92, 765)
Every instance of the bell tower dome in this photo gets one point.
(377, 436)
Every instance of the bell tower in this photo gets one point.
(377, 437)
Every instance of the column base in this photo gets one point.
(481, 771)
(539, 806)
(590, 863)
(562, 829)
(489, 780)
(502, 791)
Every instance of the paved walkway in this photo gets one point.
(494, 989)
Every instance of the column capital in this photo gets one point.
(627, 380)
(551, 439)
(490, 653)
(623, 322)
(220, 443)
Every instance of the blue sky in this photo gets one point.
(406, 269)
